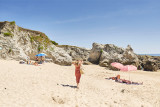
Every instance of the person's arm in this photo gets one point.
(81, 62)
(73, 62)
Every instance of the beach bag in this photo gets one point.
(21, 62)
(81, 70)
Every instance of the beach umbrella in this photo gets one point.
(125, 68)
(129, 68)
(117, 65)
(41, 54)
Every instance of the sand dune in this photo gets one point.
(51, 85)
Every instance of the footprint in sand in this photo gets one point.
(58, 100)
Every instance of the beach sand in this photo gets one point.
(51, 85)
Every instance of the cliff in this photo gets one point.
(19, 43)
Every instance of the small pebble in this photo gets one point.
(122, 90)
(115, 101)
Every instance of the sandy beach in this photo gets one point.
(51, 85)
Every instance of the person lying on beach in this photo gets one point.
(117, 79)
(35, 63)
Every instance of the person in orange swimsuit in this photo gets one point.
(77, 71)
(117, 79)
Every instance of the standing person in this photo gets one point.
(36, 58)
(77, 71)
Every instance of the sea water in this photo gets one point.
(151, 54)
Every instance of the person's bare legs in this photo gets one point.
(77, 85)
(78, 80)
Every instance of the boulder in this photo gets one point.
(60, 56)
(76, 52)
(104, 55)
(148, 63)
(95, 53)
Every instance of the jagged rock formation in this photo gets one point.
(104, 55)
(77, 53)
(157, 60)
(149, 63)
(19, 43)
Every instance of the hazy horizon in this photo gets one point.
(82, 22)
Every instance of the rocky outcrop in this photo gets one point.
(60, 56)
(95, 54)
(157, 60)
(104, 55)
(76, 52)
(149, 63)
(19, 43)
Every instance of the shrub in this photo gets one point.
(40, 48)
(41, 36)
(101, 50)
(55, 43)
(31, 39)
(52, 48)
(13, 23)
(8, 34)
(19, 29)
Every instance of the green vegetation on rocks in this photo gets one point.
(40, 48)
(13, 23)
(42, 39)
(19, 28)
(66, 46)
(55, 43)
(8, 34)
(101, 50)
(31, 39)
(52, 49)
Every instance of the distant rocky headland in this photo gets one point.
(19, 43)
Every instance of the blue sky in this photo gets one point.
(82, 22)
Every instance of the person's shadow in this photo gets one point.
(71, 86)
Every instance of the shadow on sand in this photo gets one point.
(71, 86)
(107, 78)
